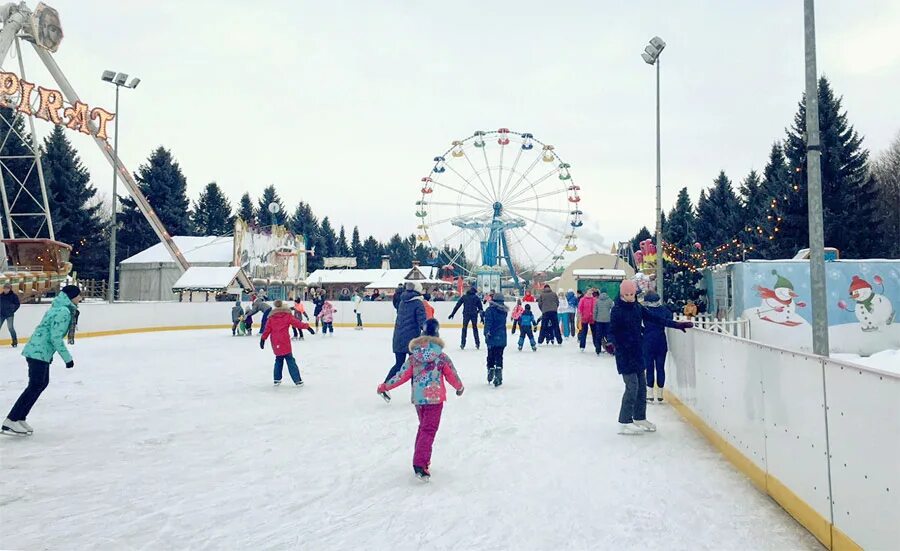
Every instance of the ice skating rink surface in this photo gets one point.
(179, 440)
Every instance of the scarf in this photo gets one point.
(867, 304)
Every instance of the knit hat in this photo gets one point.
(856, 284)
(432, 328)
(71, 291)
(498, 297)
(628, 287)
(651, 297)
(782, 282)
(410, 285)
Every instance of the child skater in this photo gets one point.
(527, 325)
(327, 317)
(495, 336)
(237, 312)
(248, 321)
(299, 313)
(427, 366)
(277, 327)
(626, 319)
(516, 314)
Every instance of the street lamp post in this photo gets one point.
(119, 80)
(651, 57)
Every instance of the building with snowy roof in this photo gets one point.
(343, 282)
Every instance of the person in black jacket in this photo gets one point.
(472, 308)
(408, 326)
(9, 303)
(318, 302)
(398, 294)
(626, 326)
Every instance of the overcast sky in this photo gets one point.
(344, 104)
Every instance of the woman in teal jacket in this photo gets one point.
(46, 341)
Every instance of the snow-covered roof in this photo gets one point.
(211, 278)
(602, 272)
(205, 249)
(393, 278)
(385, 279)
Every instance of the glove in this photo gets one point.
(610, 348)
(311, 330)
(262, 344)
(451, 317)
(70, 364)
(684, 325)
(460, 391)
(381, 388)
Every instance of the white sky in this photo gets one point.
(344, 104)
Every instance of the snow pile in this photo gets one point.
(178, 440)
(886, 360)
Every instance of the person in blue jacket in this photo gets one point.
(495, 338)
(408, 326)
(655, 345)
(527, 325)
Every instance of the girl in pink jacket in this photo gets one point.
(516, 314)
(327, 317)
(427, 366)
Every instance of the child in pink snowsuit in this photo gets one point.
(516, 314)
(427, 366)
(327, 317)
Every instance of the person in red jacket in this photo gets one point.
(278, 326)
(586, 314)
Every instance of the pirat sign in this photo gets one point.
(51, 106)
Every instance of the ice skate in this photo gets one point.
(276, 383)
(498, 377)
(422, 473)
(520, 349)
(659, 396)
(299, 383)
(14, 427)
(26, 426)
(533, 348)
(630, 429)
(645, 425)
(386, 396)
(490, 375)
(649, 394)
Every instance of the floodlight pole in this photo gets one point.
(814, 189)
(113, 219)
(659, 243)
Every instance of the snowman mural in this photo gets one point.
(873, 310)
(778, 304)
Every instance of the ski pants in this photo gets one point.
(12, 330)
(399, 360)
(514, 325)
(292, 367)
(655, 364)
(38, 379)
(474, 321)
(603, 332)
(495, 357)
(572, 324)
(429, 421)
(634, 401)
(550, 328)
(595, 337)
(526, 332)
(234, 326)
(327, 327)
(564, 321)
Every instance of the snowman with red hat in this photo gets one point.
(873, 310)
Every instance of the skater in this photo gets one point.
(472, 309)
(527, 325)
(299, 313)
(625, 325)
(74, 325)
(318, 303)
(46, 341)
(516, 314)
(573, 302)
(655, 346)
(528, 297)
(9, 303)
(495, 338)
(260, 305)
(398, 295)
(248, 322)
(242, 326)
(602, 307)
(428, 365)
(327, 317)
(408, 325)
(277, 328)
(357, 309)
(548, 303)
(237, 312)
(586, 313)
(566, 313)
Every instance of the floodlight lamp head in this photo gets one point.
(650, 60)
(108, 76)
(659, 43)
(134, 83)
(120, 79)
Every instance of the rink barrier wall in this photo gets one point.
(99, 319)
(801, 428)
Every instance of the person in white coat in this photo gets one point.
(357, 309)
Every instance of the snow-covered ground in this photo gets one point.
(179, 440)
(887, 360)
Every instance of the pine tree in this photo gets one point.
(680, 225)
(76, 213)
(372, 251)
(211, 214)
(327, 240)
(343, 248)
(755, 203)
(264, 215)
(304, 222)
(246, 211)
(165, 188)
(777, 188)
(642, 234)
(718, 220)
(849, 195)
(15, 145)
(400, 252)
(356, 248)
(886, 171)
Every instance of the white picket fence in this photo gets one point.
(735, 328)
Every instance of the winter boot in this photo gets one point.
(498, 376)
(14, 427)
(646, 425)
(26, 426)
(630, 429)
(490, 375)
(659, 395)
(422, 473)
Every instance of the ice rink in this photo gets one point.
(179, 440)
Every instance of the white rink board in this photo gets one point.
(864, 426)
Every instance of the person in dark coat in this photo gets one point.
(398, 295)
(472, 308)
(655, 345)
(548, 303)
(626, 326)
(9, 303)
(408, 325)
(318, 302)
(495, 337)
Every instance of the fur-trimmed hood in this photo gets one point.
(281, 310)
(426, 341)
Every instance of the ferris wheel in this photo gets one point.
(504, 201)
